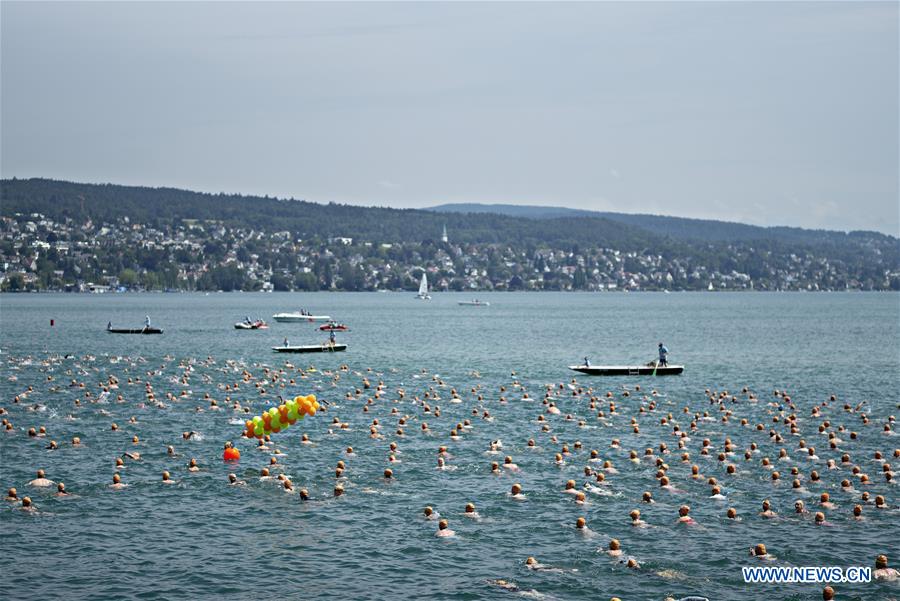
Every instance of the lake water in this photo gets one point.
(202, 539)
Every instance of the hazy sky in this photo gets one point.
(762, 112)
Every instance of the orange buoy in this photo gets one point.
(231, 454)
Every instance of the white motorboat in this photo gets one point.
(299, 316)
(423, 289)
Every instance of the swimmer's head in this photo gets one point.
(881, 562)
(165, 476)
(684, 510)
(232, 478)
(470, 508)
(516, 489)
(442, 525)
(820, 517)
(732, 513)
(428, 511)
(635, 515)
(570, 485)
(759, 550)
(614, 545)
(580, 523)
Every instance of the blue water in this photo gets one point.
(201, 538)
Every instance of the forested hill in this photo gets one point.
(553, 227)
(681, 228)
(477, 223)
(60, 235)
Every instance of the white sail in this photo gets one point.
(423, 288)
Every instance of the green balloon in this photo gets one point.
(292, 412)
(259, 428)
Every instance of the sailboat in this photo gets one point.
(423, 289)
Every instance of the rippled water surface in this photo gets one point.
(201, 538)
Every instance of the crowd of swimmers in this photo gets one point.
(767, 455)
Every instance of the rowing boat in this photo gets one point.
(628, 370)
(311, 348)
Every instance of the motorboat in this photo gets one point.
(334, 327)
(297, 316)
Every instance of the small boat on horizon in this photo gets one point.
(334, 327)
(423, 288)
(298, 316)
(474, 303)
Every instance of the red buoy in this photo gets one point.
(231, 454)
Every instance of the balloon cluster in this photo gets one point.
(279, 418)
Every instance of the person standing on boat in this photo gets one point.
(663, 354)
(331, 338)
(147, 321)
(285, 342)
(587, 362)
(109, 325)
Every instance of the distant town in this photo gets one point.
(38, 253)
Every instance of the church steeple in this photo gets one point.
(444, 235)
